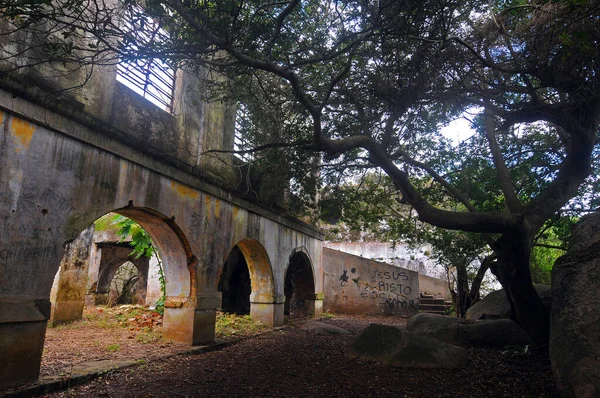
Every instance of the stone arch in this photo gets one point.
(235, 284)
(173, 249)
(113, 257)
(299, 285)
(259, 265)
(178, 264)
(263, 301)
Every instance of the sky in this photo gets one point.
(458, 130)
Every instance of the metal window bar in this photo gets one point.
(151, 78)
(240, 142)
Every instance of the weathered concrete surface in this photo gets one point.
(401, 255)
(22, 332)
(434, 286)
(358, 285)
(55, 182)
(575, 316)
(496, 306)
(397, 347)
(68, 292)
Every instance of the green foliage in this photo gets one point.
(142, 245)
(140, 240)
(113, 347)
(228, 325)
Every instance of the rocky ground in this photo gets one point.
(298, 363)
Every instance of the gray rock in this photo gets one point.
(397, 347)
(440, 327)
(497, 333)
(496, 306)
(322, 328)
(490, 333)
(575, 316)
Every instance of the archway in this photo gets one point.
(179, 272)
(299, 286)
(112, 258)
(234, 284)
(248, 261)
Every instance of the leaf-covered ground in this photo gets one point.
(298, 363)
(123, 333)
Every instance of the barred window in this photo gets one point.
(243, 125)
(151, 78)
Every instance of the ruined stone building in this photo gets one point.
(69, 157)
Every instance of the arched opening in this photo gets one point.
(126, 286)
(119, 285)
(247, 286)
(299, 288)
(119, 276)
(234, 284)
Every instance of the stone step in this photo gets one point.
(426, 296)
(433, 312)
(432, 301)
(432, 307)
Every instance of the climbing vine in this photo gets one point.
(142, 246)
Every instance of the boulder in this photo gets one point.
(497, 333)
(440, 327)
(397, 347)
(496, 306)
(489, 333)
(575, 316)
(322, 328)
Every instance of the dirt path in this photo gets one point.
(297, 363)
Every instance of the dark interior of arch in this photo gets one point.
(299, 287)
(234, 284)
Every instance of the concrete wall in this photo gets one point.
(400, 255)
(69, 287)
(435, 286)
(361, 286)
(57, 176)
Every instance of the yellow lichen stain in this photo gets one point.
(23, 132)
(235, 211)
(184, 190)
(217, 208)
(207, 202)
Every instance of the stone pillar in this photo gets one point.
(190, 320)
(267, 308)
(23, 322)
(315, 306)
(68, 295)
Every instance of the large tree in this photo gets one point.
(374, 79)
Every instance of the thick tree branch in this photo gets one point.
(278, 25)
(512, 201)
(489, 222)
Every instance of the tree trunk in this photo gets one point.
(463, 299)
(476, 285)
(512, 270)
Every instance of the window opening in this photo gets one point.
(242, 126)
(151, 78)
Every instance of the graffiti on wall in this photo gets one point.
(388, 288)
